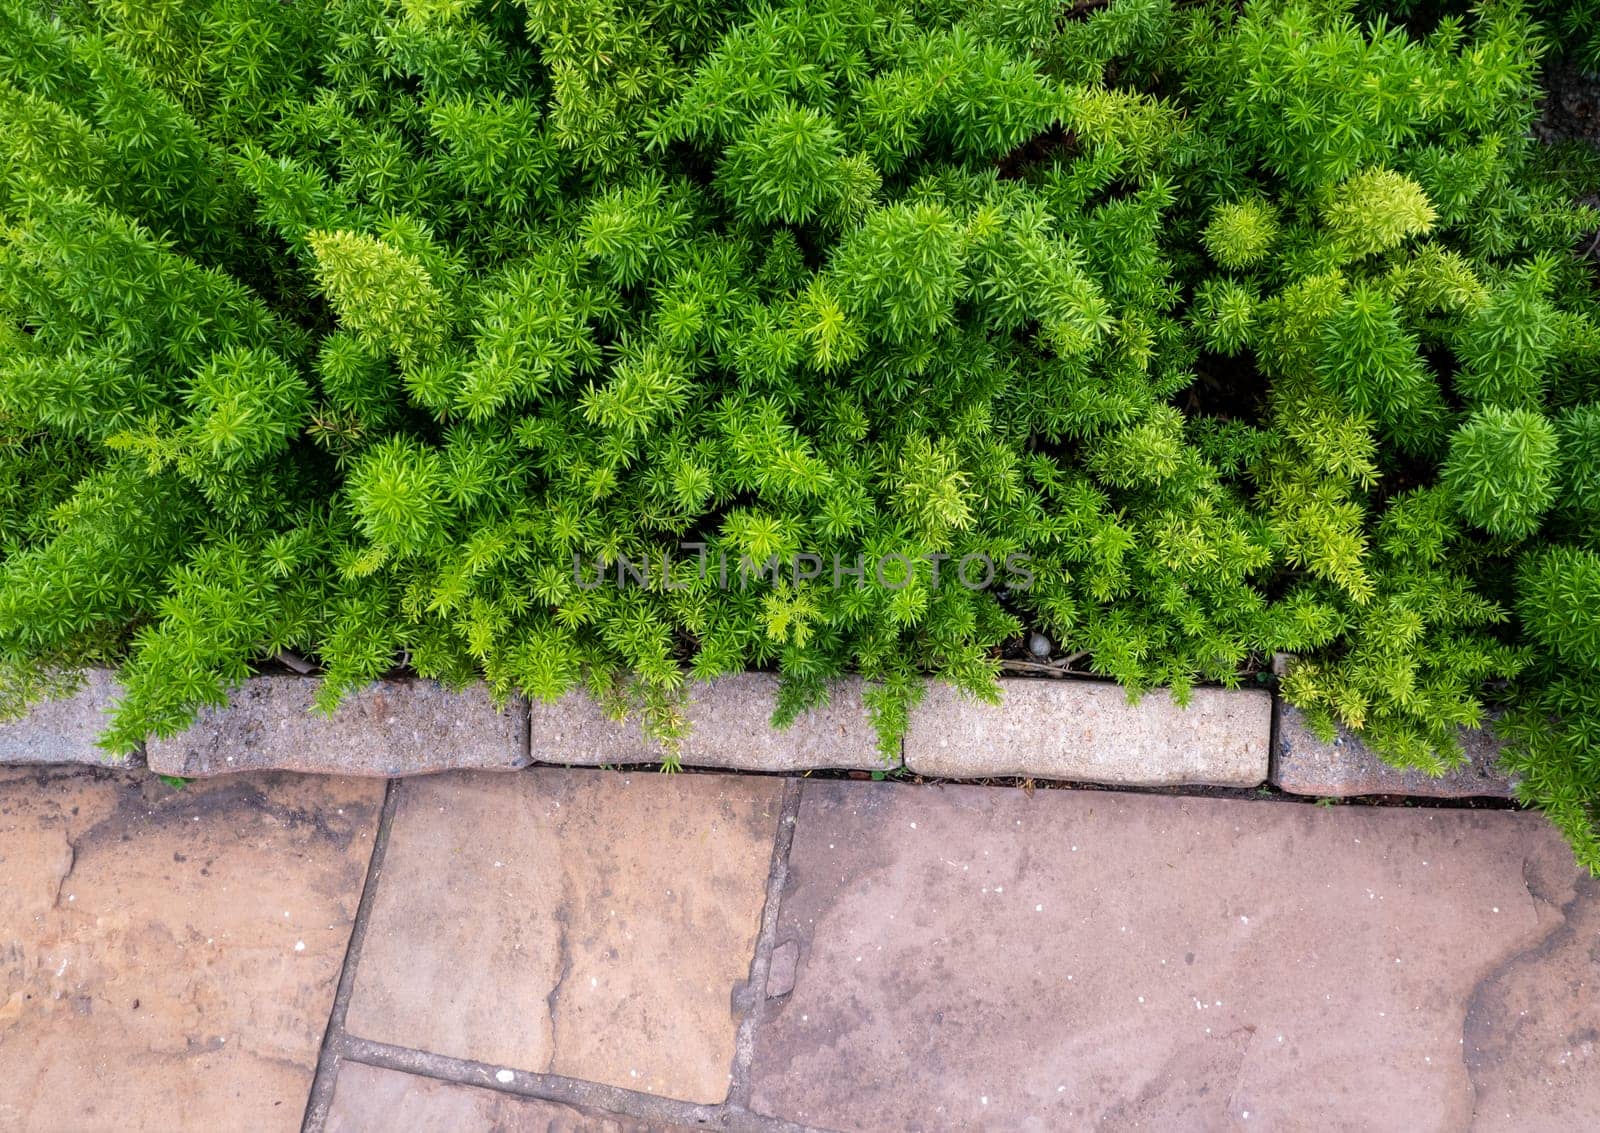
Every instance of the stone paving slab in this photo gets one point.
(389, 728)
(1309, 765)
(66, 730)
(973, 957)
(370, 1099)
(169, 958)
(1088, 731)
(594, 925)
(730, 726)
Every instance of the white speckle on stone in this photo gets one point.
(593, 982)
(1496, 909)
(504, 1077)
(299, 946)
(984, 1100)
(1244, 920)
(1038, 908)
(913, 826)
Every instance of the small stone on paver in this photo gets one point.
(781, 972)
(730, 726)
(169, 958)
(370, 1099)
(1309, 765)
(66, 730)
(1088, 731)
(389, 728)
(975, 957)
(584, 923)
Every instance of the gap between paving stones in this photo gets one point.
(755, 992)
(555, 1088)
(1053, 733)
(1265, 792)
(321, 1095)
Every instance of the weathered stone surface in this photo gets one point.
(784, 966)
(169, 958)
(65, 730)
(583, 923)
(369, 1099)
(1309, 765)
(730, 725)
(1087, 731)
(391, 727)
(981, 958)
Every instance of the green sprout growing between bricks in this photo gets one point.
(347, 326)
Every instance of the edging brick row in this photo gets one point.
(1089, 731)
(729, 728)
(1306, 764)
(1073, 730)
(389, 728)
(65, 730)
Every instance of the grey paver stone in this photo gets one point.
(65, 730)
(371, 1099)
(729, 727)
(591, 924)
(168, 959)
(1088, 731)
(391, 727)
(986, 958)
(781, 972)
(1310, 765)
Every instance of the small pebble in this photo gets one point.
(1039, 645)
(504, 1077)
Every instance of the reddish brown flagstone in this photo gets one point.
(168, 958)
(982, 958)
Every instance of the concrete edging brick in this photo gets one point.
(65, 730)
(1310, 765)
(1071, 730)
(729, 728)
(391, 727)
(1088, 731)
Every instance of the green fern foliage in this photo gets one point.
(623, 344)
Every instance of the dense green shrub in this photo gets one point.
(1573, 26)
(350, 326)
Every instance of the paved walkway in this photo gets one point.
(589, 950)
